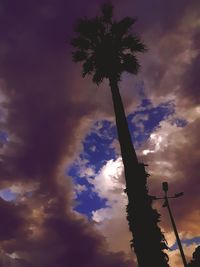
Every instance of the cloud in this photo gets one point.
(12, 220)
(175, 258)
(109, 183)
(172, 156)
(107, 180)
(176, 160)
(46, 109)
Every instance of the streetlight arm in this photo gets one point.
(179, 194)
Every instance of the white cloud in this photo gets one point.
(102, 214)
(79, 188)
(140, 117)
(93, 148)
(86, 171)
(159, 139)
(111, 220)
(108, 183)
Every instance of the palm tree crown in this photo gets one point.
(106, 47)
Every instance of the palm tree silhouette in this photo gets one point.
(107, 48)
(195, 262)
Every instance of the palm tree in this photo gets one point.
(107, 48)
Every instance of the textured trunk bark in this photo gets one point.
(129, 157)
(148, 241)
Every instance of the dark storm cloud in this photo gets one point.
(59, 238)
(44, 114)
(170, 30)
(191, 83)
(46, 107)
(86, 248)
(34, 69)
(155, 17)
(12, 220)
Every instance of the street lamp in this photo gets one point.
(166, 204)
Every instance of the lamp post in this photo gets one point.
(166, 204)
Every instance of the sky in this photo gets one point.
(61, 175)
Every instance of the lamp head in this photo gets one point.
(165, 186)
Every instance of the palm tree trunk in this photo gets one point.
(148, 241)
(129, 156)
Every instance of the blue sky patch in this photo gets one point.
(98, 149)
(187, 242)
(8, 195)
(3, 137)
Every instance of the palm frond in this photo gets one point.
(98, 77)
(133, 43)
(130, 64)
(79, 56)
(81, 43)
(123, 26)
(90, 28)
(88, 67)
(107, 11)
